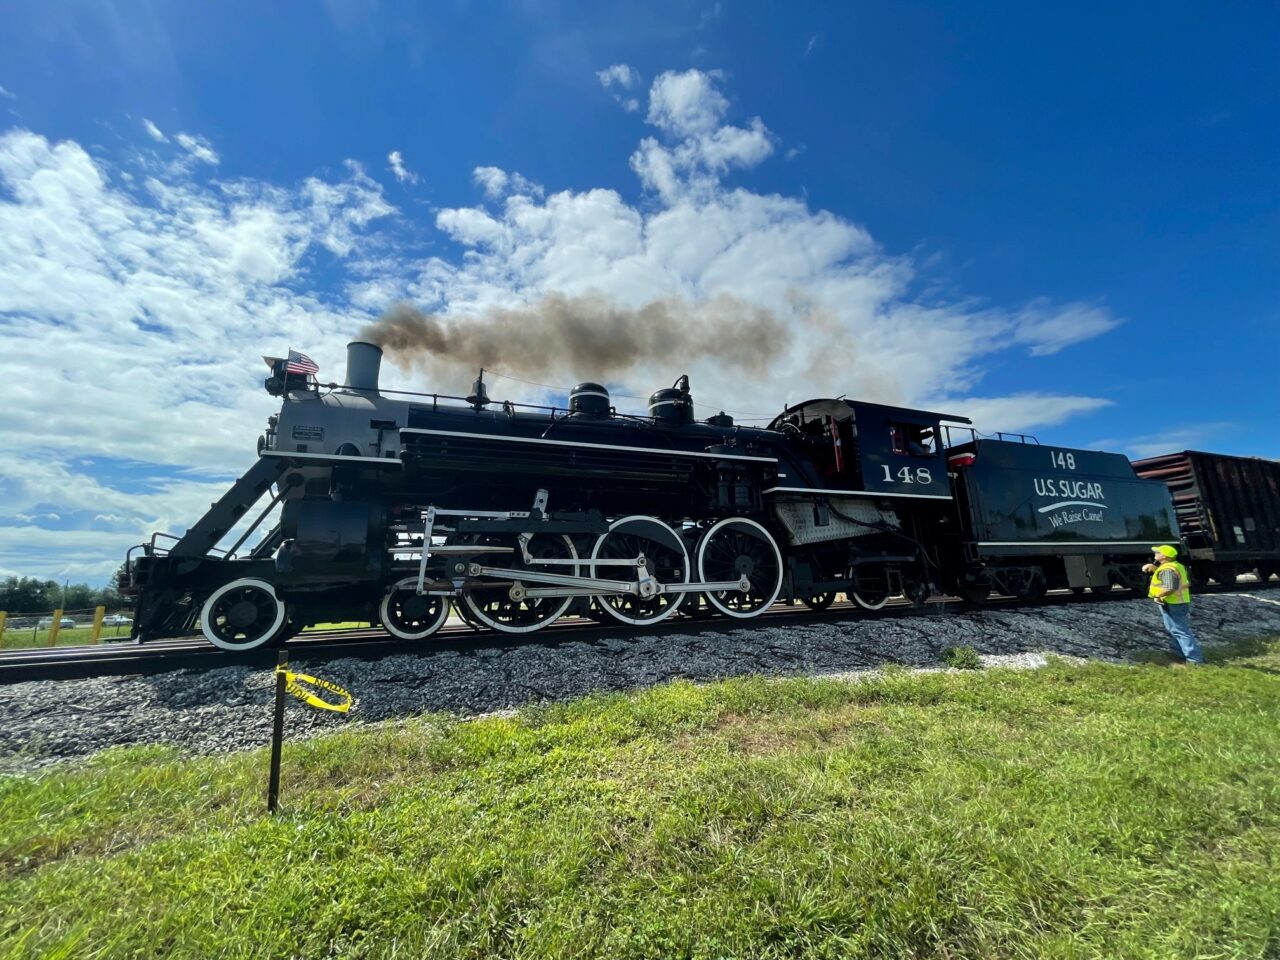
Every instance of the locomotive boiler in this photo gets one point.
(399, 507)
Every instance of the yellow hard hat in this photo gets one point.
(1169, 552)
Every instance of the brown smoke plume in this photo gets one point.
(586, 337)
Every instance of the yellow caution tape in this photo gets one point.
(295, 685)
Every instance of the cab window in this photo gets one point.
(912, 440)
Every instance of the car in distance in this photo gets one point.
(47, 622)
(116, 620)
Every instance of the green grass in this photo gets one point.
(962, 658)
(16, 638)
(1096, 811)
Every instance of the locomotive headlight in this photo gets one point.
(274, 385)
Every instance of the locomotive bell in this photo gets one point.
(589, 400)
(479, 396)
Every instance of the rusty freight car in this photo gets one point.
(1228, 510)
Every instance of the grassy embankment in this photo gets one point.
(1095, 811)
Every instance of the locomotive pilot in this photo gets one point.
(1171, 589)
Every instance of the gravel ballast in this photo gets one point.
(230, 708)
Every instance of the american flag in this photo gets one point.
(300, 363)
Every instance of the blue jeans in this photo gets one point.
(1177, 620)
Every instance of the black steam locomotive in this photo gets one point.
(397, 507)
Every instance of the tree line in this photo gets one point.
(32, 595)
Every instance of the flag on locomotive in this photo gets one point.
(300, 363)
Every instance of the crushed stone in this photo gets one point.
(230, 708)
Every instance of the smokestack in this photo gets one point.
(363, 361)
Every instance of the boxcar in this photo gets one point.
(1228, 509)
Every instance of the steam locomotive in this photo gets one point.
(397, 507)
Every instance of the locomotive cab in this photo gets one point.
(870, 447)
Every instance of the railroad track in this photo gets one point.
(127, 658)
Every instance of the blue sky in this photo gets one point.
(1041, 216)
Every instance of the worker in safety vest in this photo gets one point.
(1171, 589)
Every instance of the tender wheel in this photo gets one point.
(917, 590)
(974, 592)
(819, 601)
(243, 615)
(1033, 587)
(409, 616)
(733, 548)
(668, 562)
(492, 605)
(1224, 574)
(871, 591)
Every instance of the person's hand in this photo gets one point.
(1148, 568)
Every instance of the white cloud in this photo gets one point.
(1021, 412)
(153, 131)
(396, 165)
(1193, 436)
(686, 104)
(8, 94)
(497, 183)
(698, 148)
(491, 180)
(621, 74)
(198, 147)
(624, 78)
(1046, 329)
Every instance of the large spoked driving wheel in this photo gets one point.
(734, 548)
(666, 560)
(491, 603)
(242, 615)
(409, 616)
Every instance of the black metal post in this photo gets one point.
(277, 734)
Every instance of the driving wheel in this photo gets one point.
(736, 547)
(492, 603)
(666, 560)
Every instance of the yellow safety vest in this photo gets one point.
(1182, 594)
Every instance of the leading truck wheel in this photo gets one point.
(736, 547)
(243, 615)
(409, 616)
